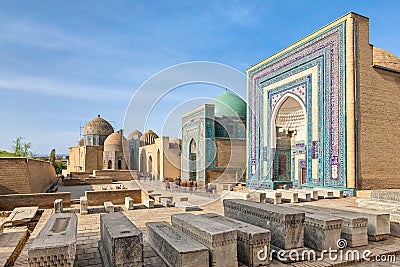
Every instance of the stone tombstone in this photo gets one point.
(272, 196)
(128, 203)
(56, 243)
(335, 193)
(121, 242)
(166, 202)
(58, 207)
(378, 227)
(256, 195)
(83, 205)
(286, 225)
(158, 198)
(354, 228)
(235, 195)
(186, 206)
(148, 203)
(395, 225)
(289, 196)
(175, 247)
(391, 207)
(22, 215)
(388, 195)
(321, 231)
(220, 239)
(250, 240)
(109, 207)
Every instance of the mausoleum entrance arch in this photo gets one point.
(289, 141)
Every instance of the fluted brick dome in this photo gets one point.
(386, 59)
(149, 137)
(98, 126)
(134, 133)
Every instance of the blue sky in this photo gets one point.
(64, 62)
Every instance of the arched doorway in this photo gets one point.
(109, 164)
(158, 163)
(143, 161)
(192, 160)
(150, 165)
(289, 141)
(132, 160)
(119, 164)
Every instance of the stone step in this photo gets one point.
(286, 225)
(221, 240)
(175, 247)
(354, 228)
(250, 239)
(121, 242)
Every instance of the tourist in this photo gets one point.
(166, 184)
(191, 184)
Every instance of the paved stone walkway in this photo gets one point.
(89, 236)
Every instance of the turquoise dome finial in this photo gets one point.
(229, 104)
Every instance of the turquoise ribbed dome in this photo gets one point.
(228, 104)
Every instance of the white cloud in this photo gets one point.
(42, 85)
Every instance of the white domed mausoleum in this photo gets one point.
(113, 155)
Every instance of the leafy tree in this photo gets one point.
(22, 149)
(53, 156)
(59, 166)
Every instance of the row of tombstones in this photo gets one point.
(249, 232)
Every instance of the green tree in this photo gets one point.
(53, 156)
(22, 149)
(59, 166)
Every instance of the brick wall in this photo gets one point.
(222, 176)
(43, 200)
(24, 176)
(379, 124)
(232, 152)
(97, 198)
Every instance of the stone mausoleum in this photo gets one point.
(99, 149)
(158, 156)
(323, 112)
(214, 141)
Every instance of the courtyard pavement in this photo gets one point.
(88, 236)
